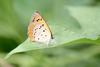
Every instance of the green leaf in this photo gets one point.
(72, 23)
(86, 17)
(10, 26)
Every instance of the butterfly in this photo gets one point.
(38, 29)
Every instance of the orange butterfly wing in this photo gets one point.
(38, 29)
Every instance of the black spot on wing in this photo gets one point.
(36, 29)
(42, 24)
(40, 27)
(34, 33)
(33, 19)
(45, 35)
(38, 38)
(43, 30)
(38, 19)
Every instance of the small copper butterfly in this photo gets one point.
(38, 29)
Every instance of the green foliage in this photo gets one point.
(74, 24)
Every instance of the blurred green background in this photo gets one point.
(14, 19)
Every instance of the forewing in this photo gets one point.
(38, 29)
